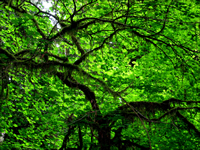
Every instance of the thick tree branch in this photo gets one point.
(74, 39)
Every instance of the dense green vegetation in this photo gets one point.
(100, 74)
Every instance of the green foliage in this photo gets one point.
(119, 75)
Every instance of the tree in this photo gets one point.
(107, 75)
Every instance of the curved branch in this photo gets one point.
(189, 124)
(88, 93)
(66, 138)
(83, 57)
(74, 39)
(38, 28)
(9, 55)
(22, 52)
(173, 110)
(40, 11)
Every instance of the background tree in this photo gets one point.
(105, 75)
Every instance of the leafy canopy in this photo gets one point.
(99, 74)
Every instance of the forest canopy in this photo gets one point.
(100, 74)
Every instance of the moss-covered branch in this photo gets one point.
(9, 55)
